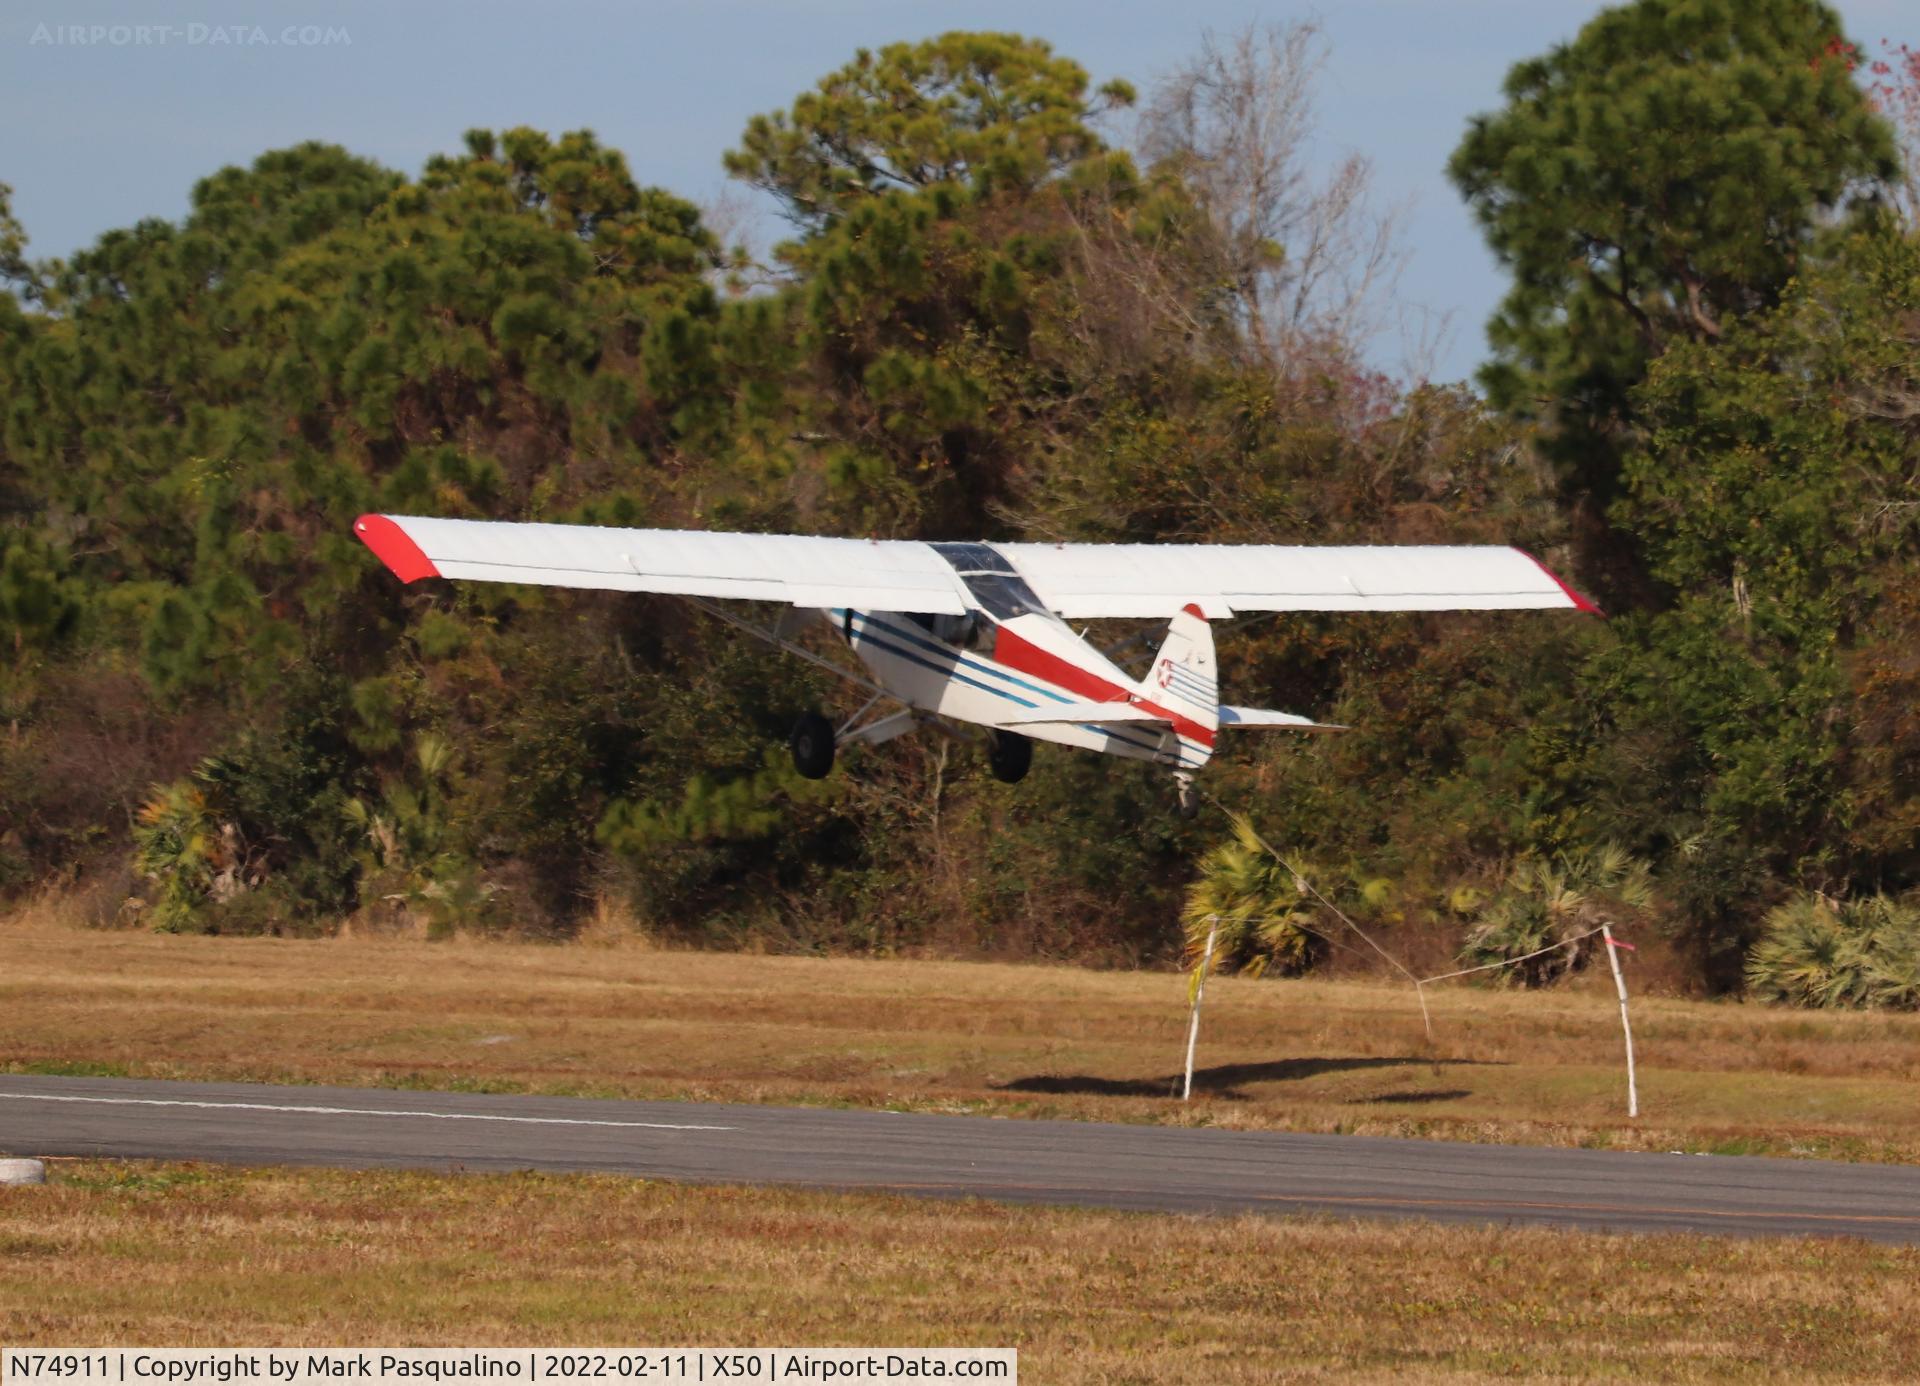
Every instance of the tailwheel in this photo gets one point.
(1009, 756)
(812, 746)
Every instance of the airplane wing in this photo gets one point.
(1074, 580)
(871, 574)
(1098, 580)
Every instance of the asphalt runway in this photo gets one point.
(1158, 1168)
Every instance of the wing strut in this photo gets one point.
(720, 613)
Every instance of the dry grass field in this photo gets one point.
(625, 1020)
(187, 1255)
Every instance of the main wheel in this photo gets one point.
(812, 746)
(1009, 756)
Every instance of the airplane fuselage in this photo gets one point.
(986, 671)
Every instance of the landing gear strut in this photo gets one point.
(1009, 755)
(812, 746)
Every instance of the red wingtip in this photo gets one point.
(392, 545)
(1581, 602)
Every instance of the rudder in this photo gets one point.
(1185, 681)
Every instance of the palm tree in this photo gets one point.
(1817, 952)
(1551, 903)
(1263, 908)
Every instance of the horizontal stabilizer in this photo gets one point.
(1266, 719)
(1083, 712)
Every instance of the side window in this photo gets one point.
(973, 631)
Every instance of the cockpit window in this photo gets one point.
(969, 632)
(992, 580)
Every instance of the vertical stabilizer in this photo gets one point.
(1185, 682)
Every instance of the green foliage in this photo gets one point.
(939, 188)
(1760, 450)
(188, 855)
(39, 604)
(1257, 906)
(284, 786)
(1757, 720)
(1650, 182)
(1550, 903)
(751, 807)
(1815, 952)
(253, 841)
(986, 112)
(413, 869)
(13, 243)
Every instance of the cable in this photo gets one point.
(1307, 887)
(1509, 962)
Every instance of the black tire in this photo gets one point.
(1009, 757)
(812, 746)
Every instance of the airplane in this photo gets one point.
(958, 636)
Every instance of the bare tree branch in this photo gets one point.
(1308, 256)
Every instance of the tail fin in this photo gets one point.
(1185, 681)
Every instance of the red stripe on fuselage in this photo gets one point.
(1025, 657)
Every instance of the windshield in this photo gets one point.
(994, 583)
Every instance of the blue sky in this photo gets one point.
(95, 135)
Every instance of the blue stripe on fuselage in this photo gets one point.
(961, 661)
(948, 670)
(927, 643)
(867, 622)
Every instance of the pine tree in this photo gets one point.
(980, 111)
(928, 181)
(1667, 171)
(14, 267)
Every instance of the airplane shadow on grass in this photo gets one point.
(1228, 1080)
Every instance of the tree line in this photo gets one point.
(1010, 305)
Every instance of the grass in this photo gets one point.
(185, 1255)
(1032, 1041)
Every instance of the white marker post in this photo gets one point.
(1199, 992)
(1620, 985)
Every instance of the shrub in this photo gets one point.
(1554, 900)
(1817, 952)
(193, 858)
(412, 868)
(1265, 911)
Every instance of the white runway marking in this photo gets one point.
(353, 1111)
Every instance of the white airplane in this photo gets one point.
(975, 635)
